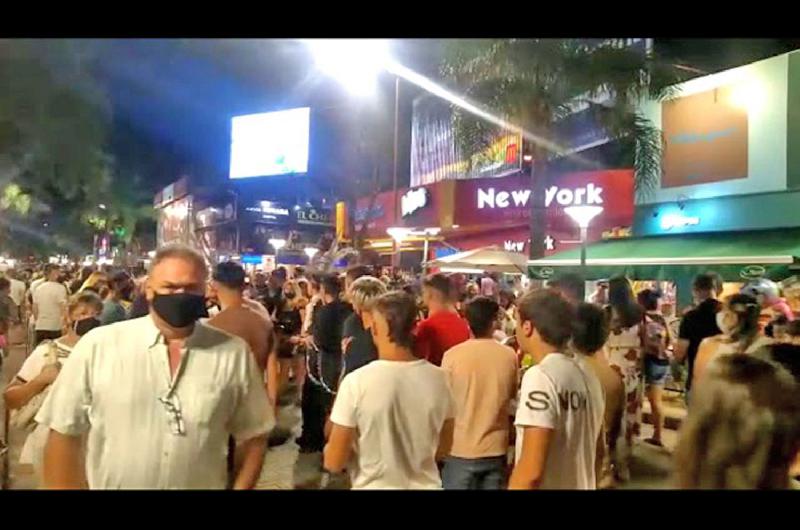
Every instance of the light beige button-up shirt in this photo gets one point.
(112, 387)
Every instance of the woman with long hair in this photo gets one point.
(624, 352)
(738, 321)
(743, 430)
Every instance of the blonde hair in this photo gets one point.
(364, 291)
(743, 427)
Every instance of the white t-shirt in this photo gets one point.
(398, 410)
(562, 393)
(17, 291)
(50, 299)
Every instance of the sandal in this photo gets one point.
(653, 441)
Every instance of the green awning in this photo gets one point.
(734, 255)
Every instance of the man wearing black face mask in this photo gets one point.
(165, 385)
(42, 367)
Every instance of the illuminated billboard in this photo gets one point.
(270, 143)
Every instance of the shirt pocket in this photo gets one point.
(205, 404)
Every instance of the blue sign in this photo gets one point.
(442, 252)
(252, 259)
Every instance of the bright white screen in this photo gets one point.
(270, 143)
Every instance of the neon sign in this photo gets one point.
(591, 194)
(670, 221)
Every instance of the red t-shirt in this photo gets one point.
(438, 333)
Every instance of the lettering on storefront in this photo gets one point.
(670, 221)
(413, 200)
(590, 194)
(313, 216)
(519, 246)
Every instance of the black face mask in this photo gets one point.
(289, 295)
(84, 326)
(180, 309)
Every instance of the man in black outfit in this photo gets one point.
(358, 346)
(700, 322)
(324, 365)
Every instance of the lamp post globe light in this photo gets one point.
(583, 215)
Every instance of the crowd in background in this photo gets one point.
(416, 382)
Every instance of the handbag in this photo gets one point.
(23, 417)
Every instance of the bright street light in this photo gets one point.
(355, 63)
(311, 252)
(277, 244)
(101, 206)
(583, 215)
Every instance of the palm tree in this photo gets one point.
(534, 83)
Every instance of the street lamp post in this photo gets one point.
(583, 215)
(356, 64)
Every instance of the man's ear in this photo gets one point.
(527, 328)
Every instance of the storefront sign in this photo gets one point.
(670, 221)
(521, 246)
(508, 201)
(591, 194)
(413, 200)
(314, 216)
(268, 211)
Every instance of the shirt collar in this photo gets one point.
(154, 336)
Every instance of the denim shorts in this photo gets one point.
(655, 373)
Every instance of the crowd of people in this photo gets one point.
(404, 382)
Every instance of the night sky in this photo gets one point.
(176, 97)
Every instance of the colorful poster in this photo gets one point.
(436, 154)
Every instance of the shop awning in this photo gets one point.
(734, 255)
(491, 259)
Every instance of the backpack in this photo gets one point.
(655, 338)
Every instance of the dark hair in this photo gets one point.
(748, 311)
(229, 274)
(550, 313)
(572, 283)
(622, 302)
(357, 271)
(481, 315)
(50, 267)
(439, 283)
(780, 321)
(590, 328)
(280, 273)
(706, 283)
(718, 282)
(299, 271)
(4, 284)
(648, 298)
(119, 281)
(787, 355)
(400, 311)
(331, 284)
